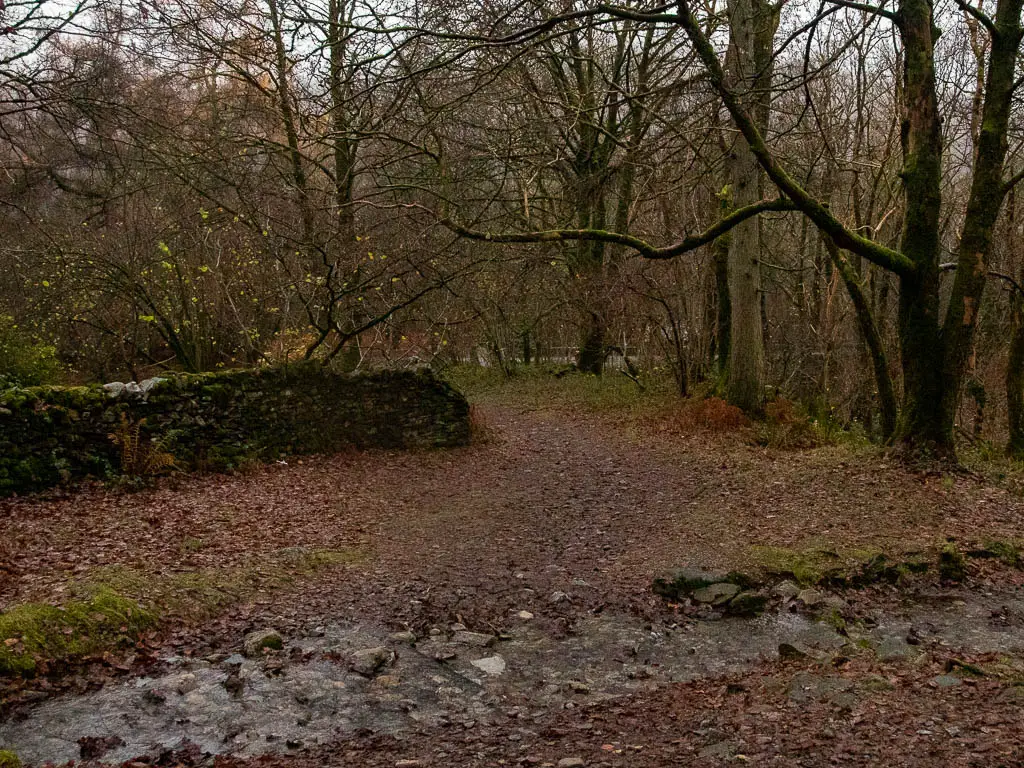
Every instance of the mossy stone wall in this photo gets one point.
(54, 435)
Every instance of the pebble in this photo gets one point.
(367, 661)
(571, 762)
(256, 642)
(476, 639)
(491, 665)
(812, 598)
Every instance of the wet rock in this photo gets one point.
(369, 661)
(716, 594)
(787, 590)
(811, 598)
(571, 762)
(789, 652)
(475, 639)
(748, 604)
(255, 642)
(524, 615)
(893, 649)
(403, 637)
(723, 750)
(947, 681)
(186, 684)
(558, 597)
(491, 665)
(681, 582)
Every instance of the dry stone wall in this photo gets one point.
(56, 435)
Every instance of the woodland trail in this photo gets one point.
(563, 518)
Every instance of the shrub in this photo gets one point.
(24, 361)
(711, 414)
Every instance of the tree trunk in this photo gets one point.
(1015, 381)
(592, 350)
(922, 424)
(873, 339)
(987, 193)
(723, 328)
(752, 26)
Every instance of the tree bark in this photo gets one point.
(1015, 381)
(723, 327)
(752, 26)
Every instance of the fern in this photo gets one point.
(139, 457)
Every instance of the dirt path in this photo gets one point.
(554, 497)
(563, 515)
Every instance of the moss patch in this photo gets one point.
(820, 567)
(202, 593)
(9, 759)
(36, 632)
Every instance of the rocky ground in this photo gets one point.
(493, 607)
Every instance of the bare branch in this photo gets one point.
(645, 249)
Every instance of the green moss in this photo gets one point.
(854, 568)
(952, 563)
(199, 594)
(1007, 552)
(9, 759)
(806, 568)
(835, 620)
(35, 632)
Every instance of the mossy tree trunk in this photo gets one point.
(752, 25)
(723, 304)
(1015, 381)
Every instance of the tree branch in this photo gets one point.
(876, 10)
(645, 249)
(887, 258)
(980, 17)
